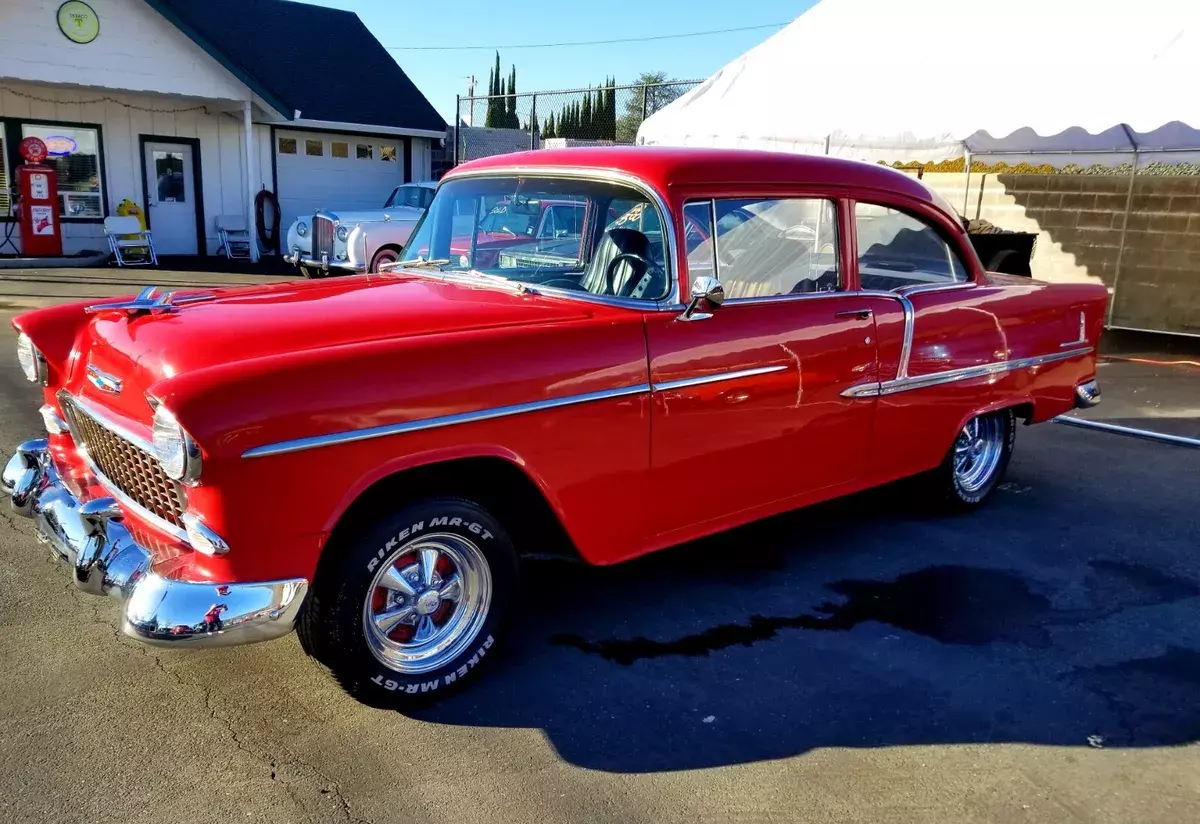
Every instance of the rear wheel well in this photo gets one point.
(497, 485)
(1024, 412)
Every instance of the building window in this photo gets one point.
(314, 148)
(287, 145)
(75, 157)
(387, 153)
(365, 151)
(337, 149)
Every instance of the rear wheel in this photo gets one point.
(977, 460)
(409, 610)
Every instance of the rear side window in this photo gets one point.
(897, 250)
(764, 247)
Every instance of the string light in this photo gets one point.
(104, 99)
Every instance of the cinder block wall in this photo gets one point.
(1079, 220)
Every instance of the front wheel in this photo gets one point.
(384, 257)
(411, 608)
(977, 460)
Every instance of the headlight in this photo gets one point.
(342, 233)
(174, 448)
(302, 229)
(31, 360)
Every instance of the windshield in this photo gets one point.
(417, 197)
(582, 235)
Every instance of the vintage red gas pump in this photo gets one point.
(41, 234)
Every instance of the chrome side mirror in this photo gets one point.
(706, 289)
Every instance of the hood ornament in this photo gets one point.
(147, 302)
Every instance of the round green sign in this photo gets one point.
(78, 21)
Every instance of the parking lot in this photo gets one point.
(865, 660)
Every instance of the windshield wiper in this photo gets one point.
(421, 263)
(517, 286)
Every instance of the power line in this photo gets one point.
(587, 42)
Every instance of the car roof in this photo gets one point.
(663, 167)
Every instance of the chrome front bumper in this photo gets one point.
(106, 560)
(324, 264)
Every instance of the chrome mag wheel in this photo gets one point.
(977, 452)
(427, 603)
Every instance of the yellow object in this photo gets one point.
(127, 208)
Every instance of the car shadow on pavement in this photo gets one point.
(1055, 616)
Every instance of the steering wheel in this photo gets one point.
(561, 283)
(611, 272)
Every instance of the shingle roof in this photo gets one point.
(319, 60)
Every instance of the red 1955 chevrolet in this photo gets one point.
(711, 338)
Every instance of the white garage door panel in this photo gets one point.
(311, 182)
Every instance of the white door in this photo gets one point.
(171, 190)
(338, 172)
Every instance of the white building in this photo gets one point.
(189, 108)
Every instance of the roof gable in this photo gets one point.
(323, 62)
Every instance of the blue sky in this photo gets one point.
(442, 74)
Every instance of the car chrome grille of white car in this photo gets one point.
(322, 237)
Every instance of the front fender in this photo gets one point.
(294, 398)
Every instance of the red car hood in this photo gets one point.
(242, 323)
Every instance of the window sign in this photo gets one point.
(59, 145)
(78, 21)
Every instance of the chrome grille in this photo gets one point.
(322, 237)
(128, 467)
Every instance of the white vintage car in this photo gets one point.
(355, 242)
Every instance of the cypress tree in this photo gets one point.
(513, 121)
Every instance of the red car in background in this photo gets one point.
(703, 339)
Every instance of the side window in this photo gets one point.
(697, 236)
(640, 216)
(776, 246)
(896, 250)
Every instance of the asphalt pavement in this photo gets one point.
(861, 661)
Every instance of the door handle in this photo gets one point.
(861, 314)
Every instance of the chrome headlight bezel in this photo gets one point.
(174, 449)
(302, 228)
(342, 233)
(32, 361)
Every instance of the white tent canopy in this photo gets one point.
(927, 80)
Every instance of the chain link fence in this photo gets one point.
(598, 116)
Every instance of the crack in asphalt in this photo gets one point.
(94, 613)
(301, 768)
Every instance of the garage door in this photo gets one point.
(335, 171)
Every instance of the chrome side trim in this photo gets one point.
(673, 301)
(667, 386)
(1144, 434)
(350, 436)
(871, 390)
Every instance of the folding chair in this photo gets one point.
(234, 237)
(130, 244)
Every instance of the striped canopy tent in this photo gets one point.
(924, 81)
